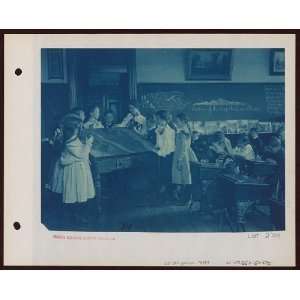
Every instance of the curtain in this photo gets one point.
(72, 68)
(132, 77)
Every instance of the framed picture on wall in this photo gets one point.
(55, 60)
(209, 64)
(55, 65)
(277, 62)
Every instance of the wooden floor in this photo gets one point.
(163, 218)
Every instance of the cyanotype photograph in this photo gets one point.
(163, 140)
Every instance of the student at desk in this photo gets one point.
(274, 153)
(281, 135)
(200, 146)
(244, 149)
(256, 142)
(221, 146)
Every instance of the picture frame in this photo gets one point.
(55, 60)
(277, 62)
(55, 66)
(209, 64)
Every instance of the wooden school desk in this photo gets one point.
(241, 193)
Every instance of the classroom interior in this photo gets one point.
(249, 94)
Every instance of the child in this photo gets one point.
(169, 118)
(181, 172)
(221, 147)
(281, 136)
(109, 120)
(244, 149)
(256, 142)
(78, 184)
(135, 120)
(165, 145)
(198, 144)
(93, 119)
(77, 112)
(165, 137)
(56, 179)
(151, 125)
(275, 154)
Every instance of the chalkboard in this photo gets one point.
(215, 101)
(274, 96)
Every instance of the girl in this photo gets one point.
(181, 172)
(221, 146)
(78, 184)
(74, 113)
(244, 148)
(135, 120)
(256, 142)
(93, 119)
(56, 179)
(79, 112)
(109, 120)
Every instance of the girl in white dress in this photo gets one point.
(181, 172)
(78, 185)
(56, 179)
(244, 149)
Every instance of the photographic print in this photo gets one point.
(112, 169)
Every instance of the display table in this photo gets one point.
(125, 168)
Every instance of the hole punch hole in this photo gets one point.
(17, 226)
(18, 71)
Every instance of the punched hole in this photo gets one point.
(17, 226)
(18, 71)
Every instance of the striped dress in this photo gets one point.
(181, 171)
(78, 185)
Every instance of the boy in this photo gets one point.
(165, 146)
(256, 142)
